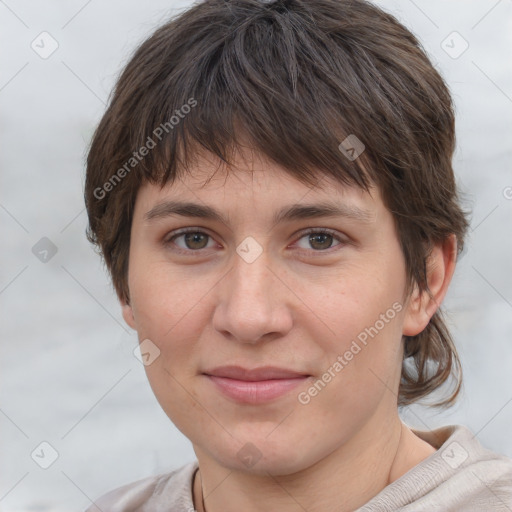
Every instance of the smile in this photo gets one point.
(255, 392)
(255, 386)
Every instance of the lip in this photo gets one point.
(257, 385)
(254, 374)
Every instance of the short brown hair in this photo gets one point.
(295, 77)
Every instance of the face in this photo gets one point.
(310, 298)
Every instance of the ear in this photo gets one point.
(128, 313)
(440, 268)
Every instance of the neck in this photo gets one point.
(343, 481)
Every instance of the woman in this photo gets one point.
(271, 188)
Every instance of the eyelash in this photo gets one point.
(317, 231)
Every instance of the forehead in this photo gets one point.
(252, 180)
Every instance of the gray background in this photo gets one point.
(68, 373)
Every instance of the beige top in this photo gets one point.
(461, 476)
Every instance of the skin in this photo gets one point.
(299, 305)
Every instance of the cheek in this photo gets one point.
(360, 375)
(360, 305)
(362, 350)
(165, 299)
(170, 310)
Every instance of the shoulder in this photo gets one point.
(168, 490)
(470, 475)
(482, 473)
(460, 476)
(462, 452)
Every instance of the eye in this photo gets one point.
(191, 240)
(318, 240)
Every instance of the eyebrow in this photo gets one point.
(287, 213)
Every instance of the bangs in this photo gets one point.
(232, 96)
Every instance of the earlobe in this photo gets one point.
(128, 315)
(422, 305)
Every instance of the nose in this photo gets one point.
(252, 304)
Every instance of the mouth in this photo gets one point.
(257, 385)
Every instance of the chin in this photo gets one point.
(262, 455)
